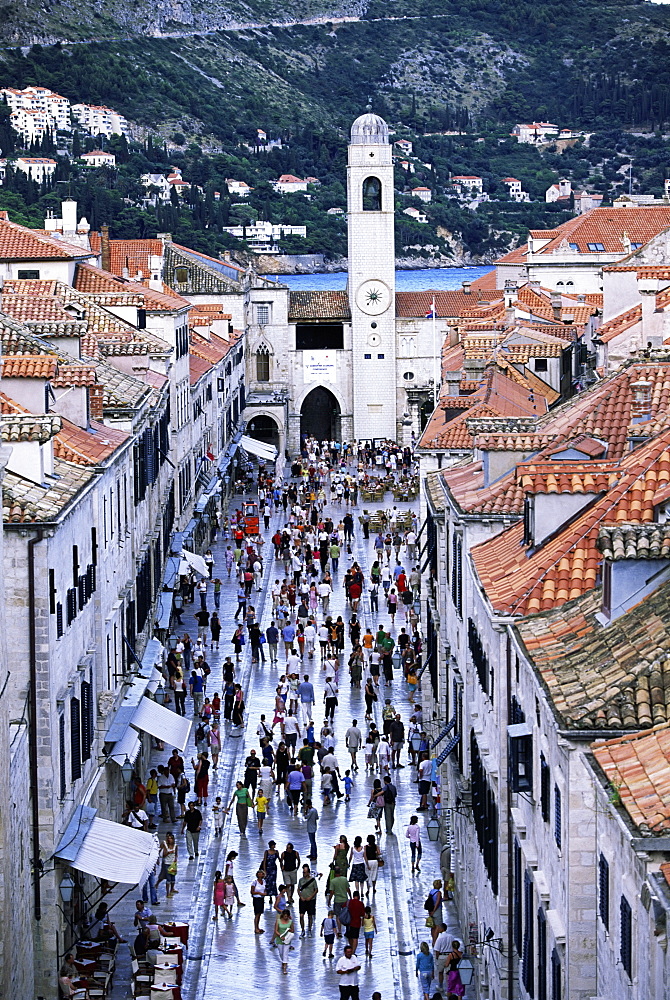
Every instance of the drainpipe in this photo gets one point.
(510, 847)
(32, 731)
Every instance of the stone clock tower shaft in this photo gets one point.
(370, 213)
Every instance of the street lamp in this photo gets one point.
(433, 828)
(415, 742)
(466, 970)
(66, 887)
(172, 642)
(127, 770)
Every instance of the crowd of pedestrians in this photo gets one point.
(308, 758)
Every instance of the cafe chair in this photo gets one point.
(165, 975)
(139, 975)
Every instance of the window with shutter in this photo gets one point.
(59, 621)
(75, 565)
(528, 961)
(71, 605)
(62, 776)
(626, 942)
(556, 977)
(52, 592)
(604, 891)
(518, 895)
(86, 720)
(558, 829)
(81, 592)
(75, 739)
(545, 789)
(520, 758)
(541, 955)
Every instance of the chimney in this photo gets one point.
(652, 319)
(510, 293)
(165, 237)
(69, 215)
(453, 381)
(473, 369)
(125, 273)
(156, 272)
(95, 402)
(535, 286)
(556, 303)
(105, 252)
(640, 409)
(466, 287)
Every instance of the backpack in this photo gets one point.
(430, 902)
(345, 916)
(389, 797)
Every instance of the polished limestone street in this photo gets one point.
(225, 956)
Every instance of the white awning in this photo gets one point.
(128, 746)
(160, 722)
(108, 850)
(196, 561)
(156, 680)
(258, 448)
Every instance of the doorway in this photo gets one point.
(320, 415)
(265, 429)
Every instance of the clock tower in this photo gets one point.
(371, 279)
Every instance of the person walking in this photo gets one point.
(282, 937)
(358, 866)
(413, 834)
(376, 804)
(347, 969)
(169, 852)
(424, 968)
(435, 913)
(369, 930)
(258, 899)
(372, 856)
(269, 864)
(192, 824)
(166, 789)
(242, 801)
(307, 698)
(311, 825)
(390, 796)
(353, 739)
(330, 693)
(440, 953)
(215, 629)
(307, 890)
(289, 862)
(229, 873)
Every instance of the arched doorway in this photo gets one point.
(320, 415)
(265, 429)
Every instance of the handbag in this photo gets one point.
(374, 811)
(430, 922)
(380, 862)
(288, 937)
(261, 639)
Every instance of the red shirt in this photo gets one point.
(356, 912)
(354, 591)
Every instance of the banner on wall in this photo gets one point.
(319, 366)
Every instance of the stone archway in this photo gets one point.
(320, 415)
(263, 428)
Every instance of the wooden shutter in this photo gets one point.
(604, 891)
(86, 720)
(62, 777)
(626, 942)
(75, 739)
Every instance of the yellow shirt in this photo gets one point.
(261, 803)
(152, 786)
(368, 639)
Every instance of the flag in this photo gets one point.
(431, 314)
(210, 455)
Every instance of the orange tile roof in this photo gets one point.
(107, 287)
(566, 477)
(449, 304)
(213, 350)
(197, 368)
(639, 767)
(29, 308)
(519, 580)
(619, 324)
(82, 447)
(466, 486)
(69, 375)
(608, 225)
(29, 366)
(613, 676)
(19, 243)
(319, 305)
(133, 254)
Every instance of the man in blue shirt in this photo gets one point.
(306, 693)
(288, 635)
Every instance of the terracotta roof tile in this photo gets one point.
(449, 304)
(29, 366)
(521, 580)
(197, 368)
(604, 677)
(638, 766)
(319, 305)
(133, 254)
(634, 541)
(24, 502)
(19, 243)
(74, 375)
(619, 324)
(87, 447)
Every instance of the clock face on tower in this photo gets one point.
(373, 297)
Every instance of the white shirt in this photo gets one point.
(425, 770)
(310, 634)
(349, 978)
(442, 945)
(291, 725)
(137, 819)
(330, 760)
(325, 590)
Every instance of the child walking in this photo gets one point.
(369, 930)
(261, 810)
(328, 931)
(348, 785)
(219, 895)
(229, 895)
(217, 813)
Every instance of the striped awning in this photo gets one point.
(451, 745)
